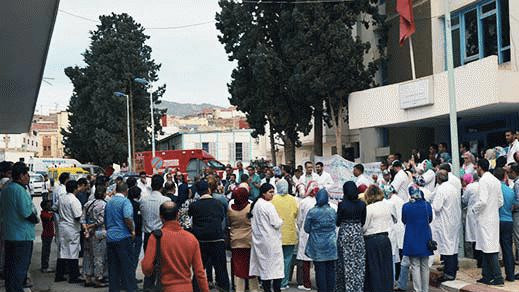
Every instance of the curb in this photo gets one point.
(461, 286)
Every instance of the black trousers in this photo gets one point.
(17, 261)
(268, 285)
(70, 266)
(506, 230)
(450, 263)
(490, 269)
(213, 253)
(46, 243)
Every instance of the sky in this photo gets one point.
(195, 67)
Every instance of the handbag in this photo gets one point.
(156, 285)
(431, 244)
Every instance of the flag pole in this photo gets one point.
(411, 54)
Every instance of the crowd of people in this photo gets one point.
(274, 222)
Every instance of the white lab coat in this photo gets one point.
(399, 227)
(456, 182)
(304, 206)
(306, 180)
(470, 195)
(514, 147)
(363, 180)
(430, 180)
(447, 208)
(299, 186)
(266, 257)
(393, 233)
(488, 202)
(400, 184)
(324, 180)
(69, 208)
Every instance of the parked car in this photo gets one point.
(36, 184)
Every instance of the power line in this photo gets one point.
(148, 28)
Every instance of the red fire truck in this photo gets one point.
(190, 162)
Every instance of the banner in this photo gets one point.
(341, 171)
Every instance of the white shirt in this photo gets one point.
(304, 206)
(306, 179)
(447, 210)
(456, 182)
(145, 189)
(150, 211)
(379, 218)
(399, 227)
(324, 180)
(486, 209)
(363, 180)
(400, 184)
(514, 147)
(299, 186)
(69, 208)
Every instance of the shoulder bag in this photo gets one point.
(156, 285)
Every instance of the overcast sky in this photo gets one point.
(194, 64)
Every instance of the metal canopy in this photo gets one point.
(25, 33)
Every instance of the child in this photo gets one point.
(47, 220)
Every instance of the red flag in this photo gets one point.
(407, 24)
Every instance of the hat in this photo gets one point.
(415, 192)
(420, 181)
(397, 163)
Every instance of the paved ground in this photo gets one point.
(45, 282)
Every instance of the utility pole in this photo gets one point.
(453, 116)
(132, 127)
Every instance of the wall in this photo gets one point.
(404, 139)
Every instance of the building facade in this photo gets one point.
(49, 131)
(406, 114)
(228, 146)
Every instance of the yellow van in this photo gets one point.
(75, 172)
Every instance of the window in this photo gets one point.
(205, 147)
(481, 31)
(238, 148)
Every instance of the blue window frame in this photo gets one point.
(481, 30)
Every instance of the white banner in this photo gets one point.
(341, 171)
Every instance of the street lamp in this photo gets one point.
(120, 94)
(146, 82)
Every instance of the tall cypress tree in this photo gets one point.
(98, 129)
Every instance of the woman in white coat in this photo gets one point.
(488, 202)
(470, 194)
(266, 258)
(304, 206)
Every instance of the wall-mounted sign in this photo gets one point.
(416, 93)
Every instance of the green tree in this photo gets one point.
(98, 129)
(265, 81)
(334, 60)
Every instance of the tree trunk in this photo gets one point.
(318, 130)
(338, 121)
(290, 150)
(272, 144)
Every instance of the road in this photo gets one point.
(45, 282)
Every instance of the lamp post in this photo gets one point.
(146, 82)
(120, 94)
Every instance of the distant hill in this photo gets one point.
(184, 109)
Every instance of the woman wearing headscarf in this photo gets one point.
(351, 252)
(304, 207)
(241, 237)
(468, 163)
(322, 241)
(266, 258)
(417, 215)
(286, 206)
(379, 259)
(469, 199)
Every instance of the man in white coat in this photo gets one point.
(324, 179)
(447, 212)
(309, 174)
(401, 181)
(513, 146)
(486, 208)
(69, 209)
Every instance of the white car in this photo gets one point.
(36, 184)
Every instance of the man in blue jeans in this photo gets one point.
(18, 220)
(120, 233)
